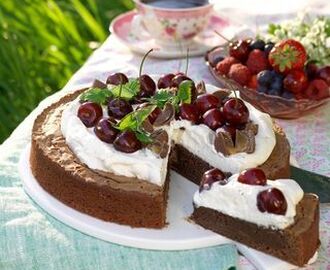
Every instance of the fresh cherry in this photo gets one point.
(117, 79)
(295, 81)
(272, 201)
(165, 81)
(105, 131)
(211, 176)
(239, 49)
(311, 70)
(89, 113)
(119, 107)
(147, 86)
(127, 142)
(253, 176)
(235, 111)
(324, 74)
(189, 112)
(206, 101)
(177, 79)
(213, 118)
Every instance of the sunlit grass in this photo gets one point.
(42, 43)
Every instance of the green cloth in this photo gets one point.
(32, 239)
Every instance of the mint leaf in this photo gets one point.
(96, 95)
(161, 97)
(128, 90)
(143, 137)
(184, 91)
(134, 119)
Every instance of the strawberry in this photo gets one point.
(257, 61)
(317, 89)
(240, 73)
(253, 83)
(223, 66)
(287, 55)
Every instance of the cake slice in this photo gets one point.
(274, 217)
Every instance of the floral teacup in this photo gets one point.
(172, 26)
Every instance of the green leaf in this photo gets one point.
(143, 137)
(184, 91)
(161, 98)
(128, 90)
(134, 119)
(96, 95)
(272, 28)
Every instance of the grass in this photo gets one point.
(42, 43)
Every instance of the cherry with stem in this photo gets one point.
(147, 85)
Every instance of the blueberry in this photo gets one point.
(268, 47)
(287, 95)
(257, 44)
(275, 92)
(265, 77)
(262, 89)
(277, 83)
(218, 59)
(277, 75)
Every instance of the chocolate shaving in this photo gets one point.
(160, 135)
(223, 143)
(244, 140)
(159, 144)
(98, 84)
(200, 88)
(221, 94)
(147, 126)
(166, 116)
(251, 127)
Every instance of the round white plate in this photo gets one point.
(140, 41)
(178, 235)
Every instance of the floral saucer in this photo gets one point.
(140, 41)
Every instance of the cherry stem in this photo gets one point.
(222, 36)
(181, 51)
(120, 86)
(142, 62)
(236, 97)
(187, 61)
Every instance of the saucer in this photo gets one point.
(142, 42)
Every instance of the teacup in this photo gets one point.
(171, 26)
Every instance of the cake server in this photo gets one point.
(312, 183)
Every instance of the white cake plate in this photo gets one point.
(180, 234)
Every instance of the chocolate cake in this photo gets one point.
(99, 154)
(100, 194)
(295, 242)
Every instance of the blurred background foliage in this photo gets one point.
(42, 43)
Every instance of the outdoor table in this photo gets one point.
(32, 239)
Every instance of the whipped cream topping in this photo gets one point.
(199, 140)
(96, 154)
(145, 164)
(240, 201)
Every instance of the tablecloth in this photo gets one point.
(31, 239)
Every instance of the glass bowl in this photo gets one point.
(276, 106)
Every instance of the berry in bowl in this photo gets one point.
(277, 78)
